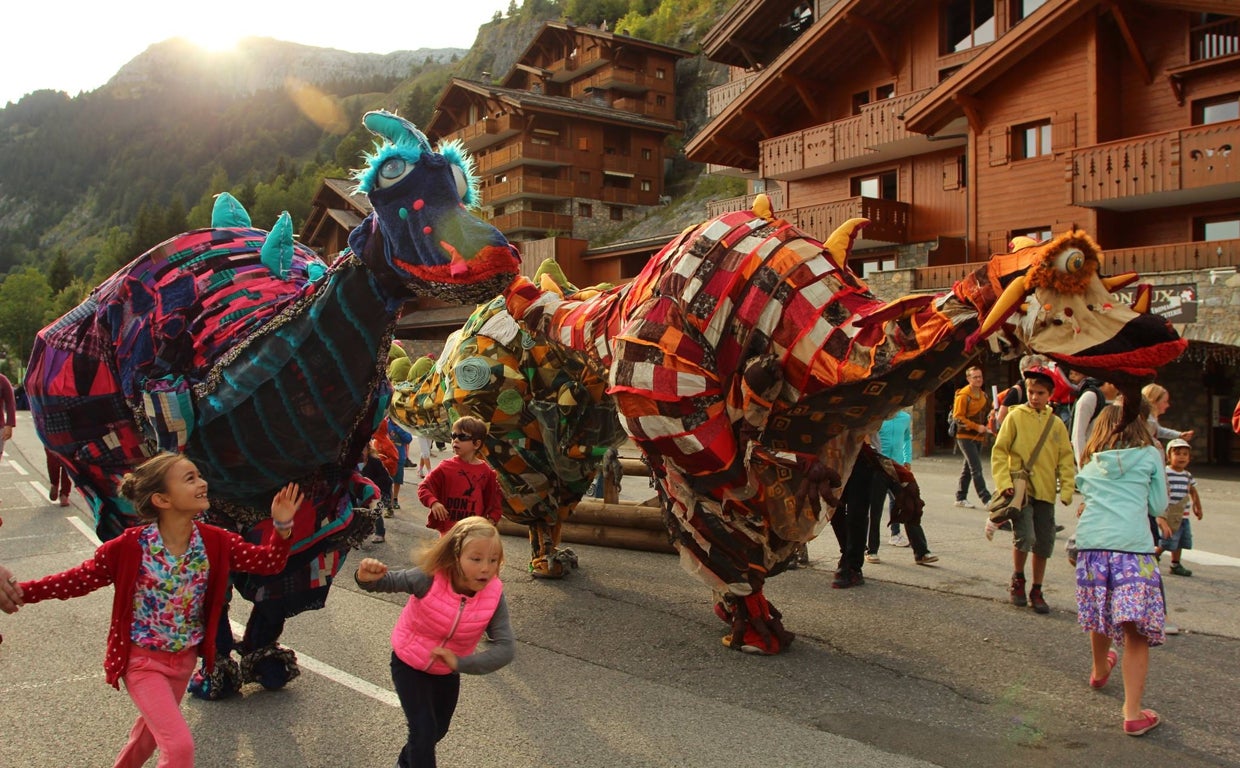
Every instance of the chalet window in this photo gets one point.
(967, 23)
(540, 140)
(660, 100)
(1021, 9)
(616, 212)
(583, 143)
(499, 210)
(583, 178)
(881, 264)
(1217, 228)
(1213, 35)
(647, 154)
(646, 185)
(954, 173)
(859, 100)
(1039, 233)
(1217, 110)
(884, 91)
(585, 210)
(881, 186)
(660, 74)
(1031, 140)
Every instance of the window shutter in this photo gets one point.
(951, 174)
(1000, 146)
(1063, 132)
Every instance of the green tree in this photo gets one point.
(59, 274)
(25, 298)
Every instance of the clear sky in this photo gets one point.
(78, 45)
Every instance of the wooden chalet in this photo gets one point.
(573, 137)
(955, 125)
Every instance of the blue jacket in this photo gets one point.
(895, 438)
(1123, 489)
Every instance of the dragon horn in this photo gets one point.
(839, 245)
(1013, 295)
(395, 129)
(1113, 284)
(1141, 301)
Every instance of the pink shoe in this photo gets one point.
(64, 500)
(1098, 682)
(1148, 721)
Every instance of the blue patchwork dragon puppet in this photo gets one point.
(241, 349)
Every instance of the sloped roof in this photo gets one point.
(939, 107)
(562, 27)
(773, 104)
(539, 102)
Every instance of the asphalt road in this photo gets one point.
(620, 664)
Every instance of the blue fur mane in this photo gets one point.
(411, 151)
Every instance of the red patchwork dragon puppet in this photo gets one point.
(747, 362)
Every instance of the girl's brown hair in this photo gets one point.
(1106, 435)
(148, 479)
(444, 554)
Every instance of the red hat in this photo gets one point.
(1043, 375)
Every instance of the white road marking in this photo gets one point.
(338, 676)
(1209, 558)
(40, 487)
(16, 467)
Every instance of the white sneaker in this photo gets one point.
(1171, 629)
(872, 558)
(990, 530)
(964, 504)
(898, 540)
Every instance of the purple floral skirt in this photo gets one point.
(1117, 588)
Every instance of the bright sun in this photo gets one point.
(214, 39)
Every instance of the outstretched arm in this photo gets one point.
(10, 592)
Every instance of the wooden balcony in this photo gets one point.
(1180, 167)
(1144, 260)
(488, 131)
(622, 196)
(526, 221)
(877, 134)
(578, 63)
(523, 153)
(888, 219)
(721, 96)
(614, 78)
(527, 186)
(633, 166)
(742, 203)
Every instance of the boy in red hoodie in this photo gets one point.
(464, 484)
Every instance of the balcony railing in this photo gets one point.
(1214, 40)
(523, 152)
(1144, 260)
(629, 164)
(519, 221)
(742, 203)
(814, 150)
(622, 196)
(487, 131)
(721, 96)
(1188, 158)
(532, 186)
(888, 218)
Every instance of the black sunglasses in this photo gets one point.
(462, 436)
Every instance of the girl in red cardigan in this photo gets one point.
(170, 578)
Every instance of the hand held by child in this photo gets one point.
(439, 511)
(284, 506)
(445, 656)
(371, 569)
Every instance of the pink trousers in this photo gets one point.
(156, 681)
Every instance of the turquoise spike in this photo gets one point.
(395, 129)
(229, 212)
(315, 270)
(277, 253)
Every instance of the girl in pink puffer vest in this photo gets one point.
(455, 596)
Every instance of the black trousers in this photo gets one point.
(851, 521)
(429, 702)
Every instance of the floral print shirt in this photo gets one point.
(170, 594)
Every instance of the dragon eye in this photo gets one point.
(1071, 260)
(393, 170)
(462, 185)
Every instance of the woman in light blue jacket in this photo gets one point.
(1119, 593)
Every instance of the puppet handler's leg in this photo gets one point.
(225, 679)
(547, 560)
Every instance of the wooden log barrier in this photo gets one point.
(627, 525)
